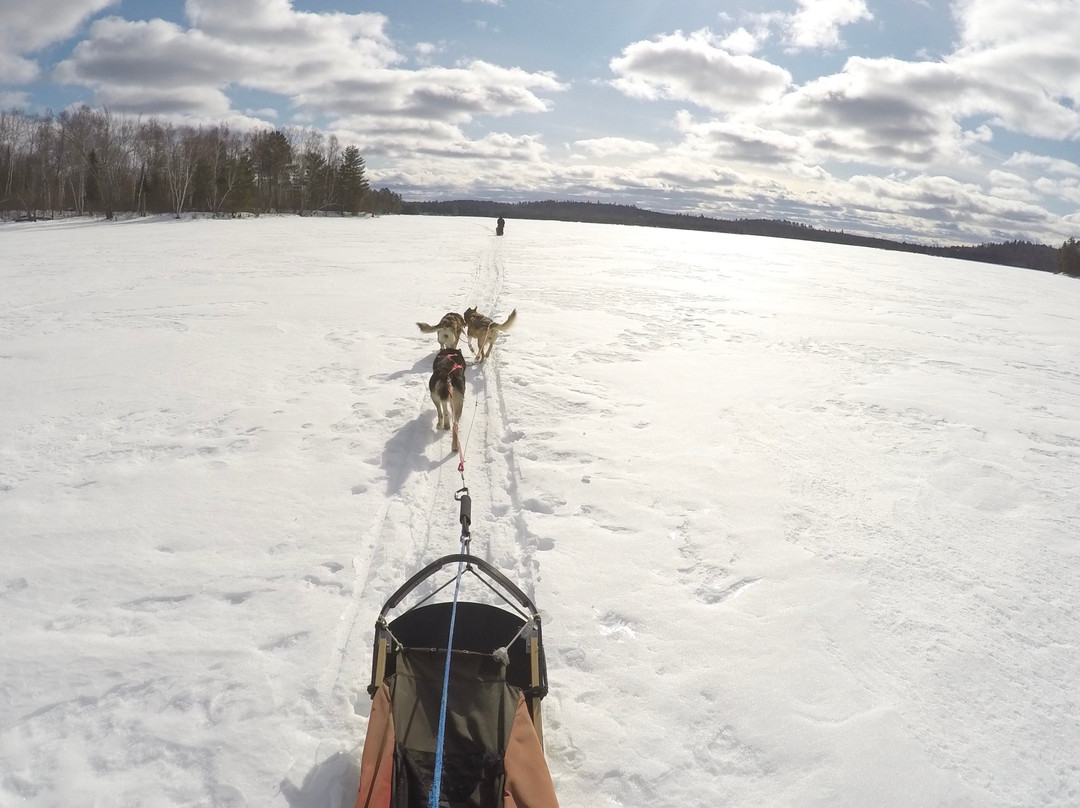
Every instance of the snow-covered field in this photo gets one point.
(803, 520)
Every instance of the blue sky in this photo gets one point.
(947, 122)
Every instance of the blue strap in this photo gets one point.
(433, 798)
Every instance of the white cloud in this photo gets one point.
(1012, 186)
(615, 147)
(432, 166)
(817, 23)
(273, 48)
(426, 51)
(124, 56)
(335, 41)
(31, 25)
(15, 69)
(1004, 179)
(1066, 190)
(1023, 64)
(989, 23)
(742, 142)
(936, 118)
(1052, 177)
(455, 95)
(203, 102)
(742, 41)
(406, 140)
(395, 134)
(325, 64)
(13, 100)
(1017, 68)
(879, 111)
(946, 199)
(1042, 164)
(696, 68)
(752, 131)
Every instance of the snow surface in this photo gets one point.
(802, 519)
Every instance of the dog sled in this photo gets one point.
(456, 689)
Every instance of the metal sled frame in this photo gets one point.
(514, 636)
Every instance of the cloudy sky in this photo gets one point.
(936, 121)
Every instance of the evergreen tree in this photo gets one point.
(240, 179)
(352, 184)
(271, 155)
(385, 201)
(310, 182)
(1068, 258)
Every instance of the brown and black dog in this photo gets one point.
(448, 330)
(447, 386)
(485, 331)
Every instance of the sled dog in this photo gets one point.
(448, 330)
(447, 386)
(485, 331)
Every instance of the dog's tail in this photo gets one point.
(427, 329)
(507, 323)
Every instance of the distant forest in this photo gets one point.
(87, 161)
(1012, 253)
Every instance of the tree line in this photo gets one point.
(1023, 254)
(92, 161)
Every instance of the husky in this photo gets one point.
(448, 330)
(485, 331)
(447, 386)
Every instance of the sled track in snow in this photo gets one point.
(501, 535)
(419, 521)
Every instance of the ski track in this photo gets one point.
(420, 522)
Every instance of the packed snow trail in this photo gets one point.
(419, 520)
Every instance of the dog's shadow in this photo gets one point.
(422, 366)
(404, 452)
(474, 375)
(331, 784)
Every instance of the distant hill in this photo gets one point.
(1013, 253)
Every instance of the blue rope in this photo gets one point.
(433, 798)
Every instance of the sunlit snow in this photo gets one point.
(803, 520)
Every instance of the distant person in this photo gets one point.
(499, 225)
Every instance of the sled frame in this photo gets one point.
(387, 645)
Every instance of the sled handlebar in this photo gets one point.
(456, 558)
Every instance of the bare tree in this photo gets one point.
(209, 169)
(180, 162)
(14, 133)
(33, 191)
(148, 176)
(85, 160)
(113, 143)
(76, 134)
(333, 163)
(236, 176)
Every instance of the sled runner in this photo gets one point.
(488, 746)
